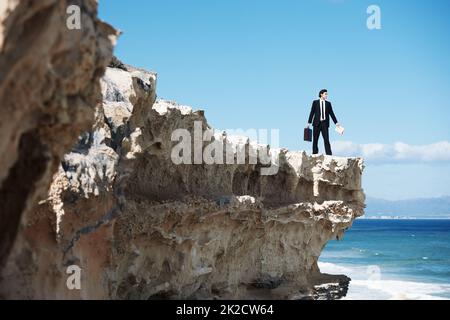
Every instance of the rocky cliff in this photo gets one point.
(49, 87)
(143, 227)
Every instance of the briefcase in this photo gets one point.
(307, 134)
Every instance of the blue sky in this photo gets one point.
(259, 64)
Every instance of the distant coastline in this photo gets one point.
(418, 208)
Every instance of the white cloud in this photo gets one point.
(397, 152)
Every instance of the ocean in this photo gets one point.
(392, 259)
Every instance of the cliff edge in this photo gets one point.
(139, 225)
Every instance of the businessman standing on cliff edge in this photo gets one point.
(321, 110)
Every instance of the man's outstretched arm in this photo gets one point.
(332, 115)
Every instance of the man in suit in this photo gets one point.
(321, 110)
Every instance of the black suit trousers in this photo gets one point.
(321, 128)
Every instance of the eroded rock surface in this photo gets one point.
(141, 227)
(49, 88)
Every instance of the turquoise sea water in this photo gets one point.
(393, 259)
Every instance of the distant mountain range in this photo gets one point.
(411, 208)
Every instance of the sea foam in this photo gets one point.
(367, 285)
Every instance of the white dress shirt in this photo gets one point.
(322, 108)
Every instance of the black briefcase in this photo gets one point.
(307, 134)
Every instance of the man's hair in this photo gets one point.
(322, 91)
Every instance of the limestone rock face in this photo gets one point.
(143, 227)
(49, 88)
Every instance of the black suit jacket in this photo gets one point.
(315, 113)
